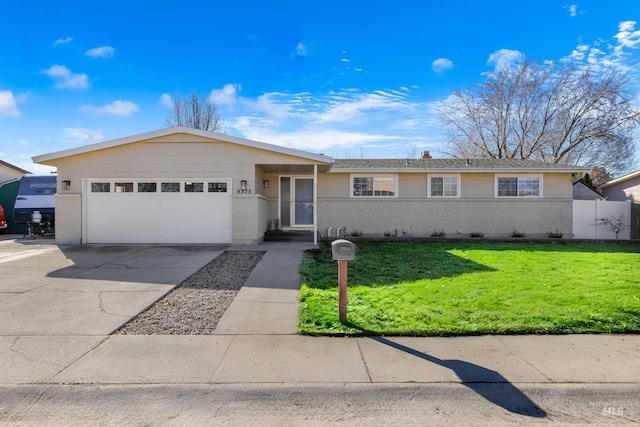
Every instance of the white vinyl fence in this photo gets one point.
(587, 215)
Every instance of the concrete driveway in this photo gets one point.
(87, 290)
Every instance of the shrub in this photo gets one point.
(438, 232)
(517, 233)
(555, 234)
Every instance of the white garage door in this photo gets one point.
(157, 211)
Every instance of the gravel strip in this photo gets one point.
(196, 305)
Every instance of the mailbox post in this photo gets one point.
(343, 251)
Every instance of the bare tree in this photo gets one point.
(195, 112)
(615, 224)
(599, 176)
(548, 112)
(412, 151)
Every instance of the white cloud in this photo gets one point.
(317, 140)
(573, 10)
(82, 135)
(603, 55)
(441, 65)
(62, 41)
(115, 108)
(329, 123)
(101, 52)
(579, 52)
(227, 96)
(300, 50)
(8, 104)
(503, 59)
(344, 107)
(345, 60)
(64, 78)
(627, 35)
(265, 103)
(166, 100)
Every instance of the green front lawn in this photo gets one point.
(462, 288)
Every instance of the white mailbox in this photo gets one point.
(343, 250)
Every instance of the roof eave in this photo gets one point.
(44, 158)
(14, 167)
(621, 179)
(460, 170)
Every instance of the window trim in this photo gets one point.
(190, 186)
(156, 182)
(100, 187)
(208, 188)
(518, 176)
(444, 175)
(373, 176)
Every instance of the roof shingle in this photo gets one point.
(458, 165)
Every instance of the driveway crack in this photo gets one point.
(24, 356)
(364, 360)
(103, 309)
(524, 360)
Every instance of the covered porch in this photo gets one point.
(291, 192)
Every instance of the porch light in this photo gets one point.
(243, 185)
(265, 183)
(66, 184)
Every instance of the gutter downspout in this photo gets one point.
(315, 205)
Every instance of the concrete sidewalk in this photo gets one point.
(256, 341)
(267, 304)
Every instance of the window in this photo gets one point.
(193, 187)
(123, 187)
(443, 186)
(518, 186)
(170, 187)
(217, 187)
(147, 187)
(374, 186)
(100, 187)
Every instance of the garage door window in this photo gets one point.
(170, 187)
(147, 187)
(193, 187)
(124, 187)
(217, 187)
(100, 187)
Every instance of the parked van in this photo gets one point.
(36, 194)
(3, 221)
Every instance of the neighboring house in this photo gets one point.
(10, 176)
(10, 172)
(182, 185)
(583, 191)
(623, 188)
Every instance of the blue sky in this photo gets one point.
(342, 78)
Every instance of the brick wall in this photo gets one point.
(422, 217)
(68, 219)
(249, 218)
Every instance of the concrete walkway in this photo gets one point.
(267, 304)
(60, 305)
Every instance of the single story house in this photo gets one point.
(583, 191)
(624, 188)
(9, 172)
(182, 185)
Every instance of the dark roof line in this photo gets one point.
(461, 164)
(14, 167)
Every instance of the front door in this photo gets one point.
(302, 202)
(296, 201)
